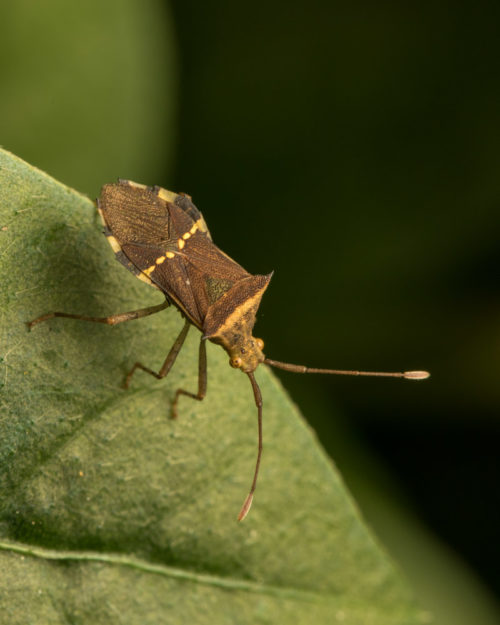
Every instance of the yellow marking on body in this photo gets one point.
(101, 214)
(145, 279)
(158, 261)
(168, 196)
(201, 225)
(115, 246)
(131, 183)
(252, 303)
(181, 243)
(193, 229)
(186, 236)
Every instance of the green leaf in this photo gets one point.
(109, 511)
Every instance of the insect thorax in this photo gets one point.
(230, 321)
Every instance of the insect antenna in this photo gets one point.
(258, 402)
(286, 366)
(408, 375)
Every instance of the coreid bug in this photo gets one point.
(162, 238)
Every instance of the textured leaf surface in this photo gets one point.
(112, 513)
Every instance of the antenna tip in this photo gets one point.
(245, 508)
(416, 375)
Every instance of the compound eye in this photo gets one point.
(235, 362)
(260, 344)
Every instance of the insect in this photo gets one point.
(162, 238)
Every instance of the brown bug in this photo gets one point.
(162, 238)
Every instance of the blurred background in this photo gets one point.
(353, 149)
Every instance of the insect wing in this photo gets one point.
(184, 202)
(162, 238)
(135, 215)
(170, 276)
(194, 275)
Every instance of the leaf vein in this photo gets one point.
(164, 570)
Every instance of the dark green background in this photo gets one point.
(352, 149)
(355, 150)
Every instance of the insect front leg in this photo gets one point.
(202, 380)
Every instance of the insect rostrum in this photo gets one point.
(162, 238)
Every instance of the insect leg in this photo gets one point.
(169, 361)
(202, 380)
(111, 320)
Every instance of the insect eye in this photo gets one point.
(236, 362)
(260, 344)
(243, 350)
